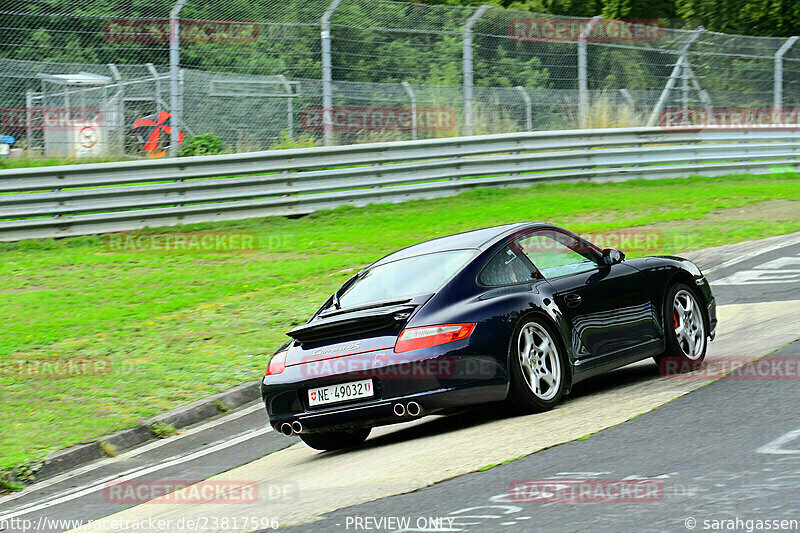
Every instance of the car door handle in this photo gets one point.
(573, 300)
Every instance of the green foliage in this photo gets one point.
(7, 486)
(24, 162)
(108, 449)
(162, 431)
(203, 144)
(221, 407)
(752, 17)
(297, 142)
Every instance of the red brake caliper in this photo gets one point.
(675, 318)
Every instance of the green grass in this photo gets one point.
(25, 162)
(163, 431)
(167, 329)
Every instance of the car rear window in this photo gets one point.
(405, 277)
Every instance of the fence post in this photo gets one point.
(583, 76)
(327, 90)
(528, 111)
(685, 91)
(673, 77)
(777, 102)
(119, 121)
(157, 80)
(29, 123)
(174, 61)
(289, 106)
(413, 98)
(467, 57)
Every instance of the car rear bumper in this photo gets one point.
(382, 412)
(436, 379)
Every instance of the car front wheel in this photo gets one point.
(685, 331)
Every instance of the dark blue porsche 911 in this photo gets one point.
(516, 314)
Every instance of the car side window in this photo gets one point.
(505, 268)
(556, 254)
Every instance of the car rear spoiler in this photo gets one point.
(350, 324)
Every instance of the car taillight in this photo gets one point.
(425, 337)
(277, 363)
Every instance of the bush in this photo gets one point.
(287, 143)
(203, 144)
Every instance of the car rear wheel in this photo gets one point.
(685, 330)
(538, 374)
(335, 440)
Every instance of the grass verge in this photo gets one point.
(163, 329)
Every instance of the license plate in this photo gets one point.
(341, 392)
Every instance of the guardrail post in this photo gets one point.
(327, 90)
(673, 77)
(174, 62)
(467, 56)
(528, 111)
(777, 102)
(413, 98)
(583, 75)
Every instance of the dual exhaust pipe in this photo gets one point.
(410, 409)
(291, 429)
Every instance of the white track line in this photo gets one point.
(753, 253)
(131, 453)
(776, 446)
(136, 473)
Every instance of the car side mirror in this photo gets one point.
(612, 256)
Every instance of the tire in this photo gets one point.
(535, 354)
(335, 440)
(686, 331)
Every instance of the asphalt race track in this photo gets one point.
(709, 452)
(728, 450)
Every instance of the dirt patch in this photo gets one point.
(770, 210)
(26, 289)
(775, 210)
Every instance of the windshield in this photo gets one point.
(404, 278)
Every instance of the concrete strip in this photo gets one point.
(712, 259)
(198, 411)
(392, 465)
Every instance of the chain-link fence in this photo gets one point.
(107, 78)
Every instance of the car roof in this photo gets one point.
(478, 239)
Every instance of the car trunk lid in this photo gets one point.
(343, 332)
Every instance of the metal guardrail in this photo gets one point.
(98, 198)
